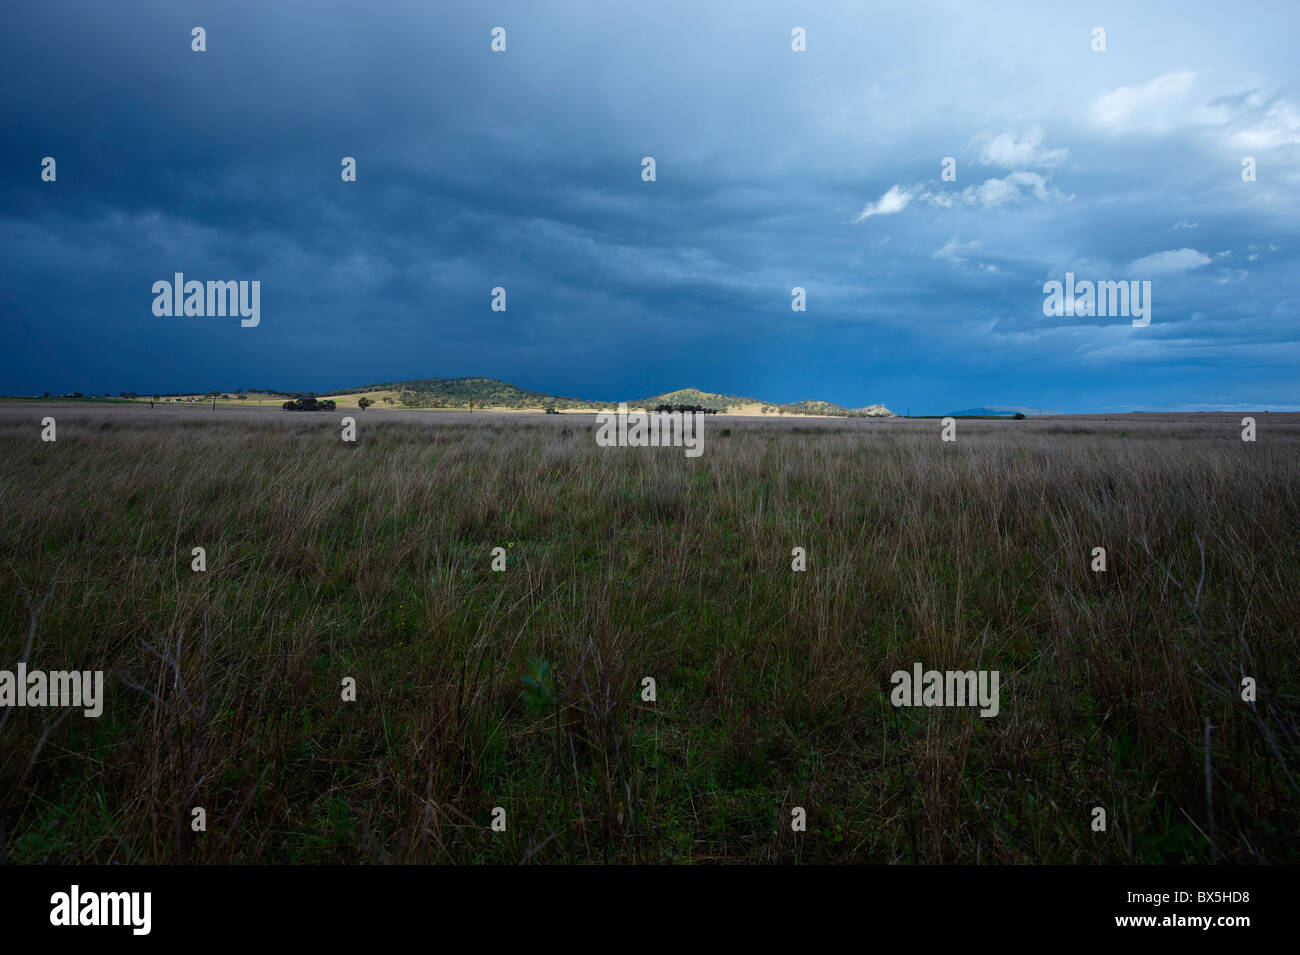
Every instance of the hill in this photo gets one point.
(827, 408)
(470, 393)
(739, 405)
(1001, 411)
(492, 394)
(693, 396)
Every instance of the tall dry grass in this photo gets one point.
(328, 560)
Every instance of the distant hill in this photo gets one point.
(491, 393)
(485, 393)
(1000, 411)
(693, 396)
(737, 404)
(827, 408)
(470, 392)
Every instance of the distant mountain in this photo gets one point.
(1000, 411)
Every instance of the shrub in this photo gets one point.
(683, 408)
(308, 404)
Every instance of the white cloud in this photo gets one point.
(892, 202)
(993, 192)
(1170, 262)
(1014, 187)
(953, 249)
(1249, 121)
(1015, 153)
(1146, 108)
(1276, 125)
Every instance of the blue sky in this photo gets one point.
(775, 169)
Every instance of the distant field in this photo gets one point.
(371, 560)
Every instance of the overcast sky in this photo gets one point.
(775, 169)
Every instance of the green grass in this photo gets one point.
(371, 561)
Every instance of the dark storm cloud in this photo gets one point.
(522, 170)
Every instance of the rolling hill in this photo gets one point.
(492, 393)
(1001, 411)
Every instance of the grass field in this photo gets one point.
(328, 560)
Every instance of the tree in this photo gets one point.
(363, 403)
(309, 404)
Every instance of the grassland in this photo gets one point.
(328, 560)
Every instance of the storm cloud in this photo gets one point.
(522, 169)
